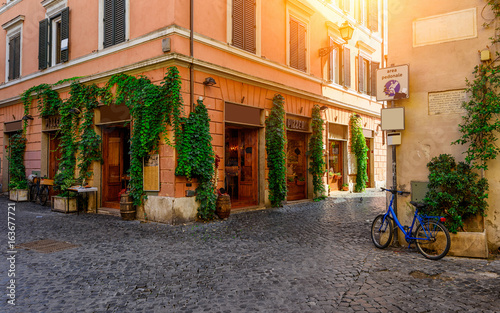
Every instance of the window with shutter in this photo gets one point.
(43, 42)
(346, 67)
(14, 57)
(361, 74)
(335, 62)
(373, 15)
(63, 42)
(114, 22)
(298, 52)
(244, 25)
(373, 78)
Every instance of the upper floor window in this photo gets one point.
(298, 48)
(340, 64)
(53, 44)
(114, 22)
(14, 40)
(244, 25)
(367, 76)
(367, 13)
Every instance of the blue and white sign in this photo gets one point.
(392, 83)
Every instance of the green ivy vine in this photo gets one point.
(15, 156)
(196, 158)
(276, 156)
(359, 148)
(152, 108)
(317, 163)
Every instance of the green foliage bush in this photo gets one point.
(15, 156)
(358, 146)
(317, 163)
(276, 156)
(196, 158)
(455, 191)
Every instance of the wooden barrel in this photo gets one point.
(223, 206)
(127, 209)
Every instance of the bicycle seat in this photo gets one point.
(418, 205)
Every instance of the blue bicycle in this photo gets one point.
(431, 237)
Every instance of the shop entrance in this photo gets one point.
(115, 151)
(55, 154)
(335, 165)
(296, 165)
(241, 165)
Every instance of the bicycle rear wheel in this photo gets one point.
(44, 195)
(33, 191)
(382, 231)
(434, 242)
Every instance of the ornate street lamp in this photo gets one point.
(346, 31)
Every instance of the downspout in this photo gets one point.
(191, 54)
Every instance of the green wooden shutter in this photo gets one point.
(373, 15)
(346, 67)
(65, 34)
(373, 77)
(119, 21)
(43, 42)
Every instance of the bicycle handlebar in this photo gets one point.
(394, 191)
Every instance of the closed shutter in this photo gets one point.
(331, 60)
(298, 50)
(294, 55)
(17, 56)
(11, 59)
(65, 34)
(250, 26)
(373, 15)
(361, 74)
(119, 21)
(346, 67)
(108, 23)
(43, 41)
(238, 24)
(373, 77)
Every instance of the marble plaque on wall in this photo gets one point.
(447, 102)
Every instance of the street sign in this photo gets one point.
(392, 83)
(393, 118)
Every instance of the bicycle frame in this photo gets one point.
(408, 234)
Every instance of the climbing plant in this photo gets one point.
(15, 156)
(152, 108)
(317, 163)
(196, 158)
(455, 191)
(481, 122)
(359, 148)
(275, 148)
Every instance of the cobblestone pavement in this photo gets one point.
(307, 257)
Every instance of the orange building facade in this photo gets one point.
(235, 55)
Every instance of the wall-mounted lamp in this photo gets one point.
(209, 81)
(27, 117)
(75, 111)
(346, 31)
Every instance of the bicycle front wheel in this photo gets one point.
(44, 195)
(433, 239)
(382, 231)
(33, 191)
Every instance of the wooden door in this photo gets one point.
(241, 166)
(335, 165)
(296, 165)
(113, 166)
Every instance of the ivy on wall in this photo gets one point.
(359, 148)
(275, 148)
(317, 163)
(196, 158)
(152, 109)
(15, 156)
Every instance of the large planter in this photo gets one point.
(127, 208)
(223, 206)
(18, 195)
(64, 204)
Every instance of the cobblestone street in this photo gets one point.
(308, 257)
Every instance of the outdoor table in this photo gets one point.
(81, 190)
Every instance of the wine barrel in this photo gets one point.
(127, 208)
(223, 206)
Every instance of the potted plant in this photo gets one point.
(301, 181)
(337, 175)
(345, 187)
(18, 184)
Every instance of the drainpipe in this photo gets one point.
(191, 70)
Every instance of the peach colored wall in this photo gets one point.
(274, 36)
(147, 16)
(83, 27)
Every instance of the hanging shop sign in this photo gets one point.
(392, 83)
(152, 172)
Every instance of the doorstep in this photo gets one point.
(109, 211)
